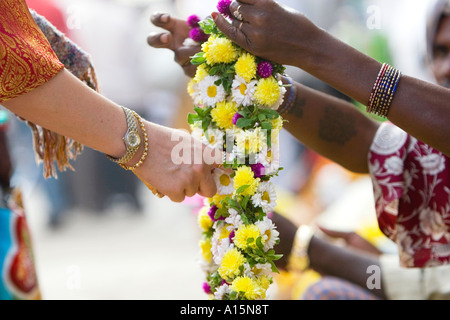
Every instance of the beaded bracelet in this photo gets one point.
(291, 99)
(383, 91)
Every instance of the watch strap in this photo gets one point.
(132, 124)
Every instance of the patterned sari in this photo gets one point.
(26, 58)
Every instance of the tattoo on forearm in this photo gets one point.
(336, 126)
(297, 110)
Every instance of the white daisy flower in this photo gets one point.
(219, 249)
(258, 270)
(235, 154)
(269, 233)
(222, 291)
(213, 138)
(242, 91)
(224, 182)
(210, 93)
(234, 221)
(194, 92)
(265, 197)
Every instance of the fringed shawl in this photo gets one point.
(32, 51)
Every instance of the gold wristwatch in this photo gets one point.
(132, 139)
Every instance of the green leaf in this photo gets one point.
(192, 118)
(242, 188)
(266, 125)
(259, 243)
(244, 122)
(198, 59)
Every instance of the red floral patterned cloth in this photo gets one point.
(412, 196)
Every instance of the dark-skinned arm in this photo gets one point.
(281, 34)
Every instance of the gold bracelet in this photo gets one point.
(144, 155)
(299, 258)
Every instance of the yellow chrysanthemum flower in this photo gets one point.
(231, 264)
(219, 50)
(201, 73)
(245, 177)
(248, 286)
(243, 234)
(223, 232)
(251, 141)
(223, 114)
(267, 92)
(264, 283)
(216, 199)
(246, 67)
(205, 247)
(204, 219)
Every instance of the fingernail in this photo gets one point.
(164, 18)
(214, 15)
(164, 38)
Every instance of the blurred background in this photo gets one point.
(99, 234)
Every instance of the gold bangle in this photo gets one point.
(144, 155)
(299, 258)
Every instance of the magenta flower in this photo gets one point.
(224, 7)
(212, 214)
(206, 288)
(231, 236)
(265, 69)
(198, 35)
(258, 170)
(192, 21)
(236, 117)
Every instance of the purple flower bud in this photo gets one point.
(265, 69)
(212, 213)
(206, 288)
(224, 7)
(258, 170)
(198, 35)
(192, 21)
(236, 117)
(231, 236)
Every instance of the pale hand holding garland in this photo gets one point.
(236, 95)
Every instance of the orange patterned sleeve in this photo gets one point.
(26, 58)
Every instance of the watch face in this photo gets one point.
(132, 139)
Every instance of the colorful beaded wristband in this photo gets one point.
(284, 109)
(383, 91)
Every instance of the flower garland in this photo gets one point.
(236, 95)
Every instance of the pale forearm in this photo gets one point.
(68, 107)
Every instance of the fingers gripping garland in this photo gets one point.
(236, 95)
